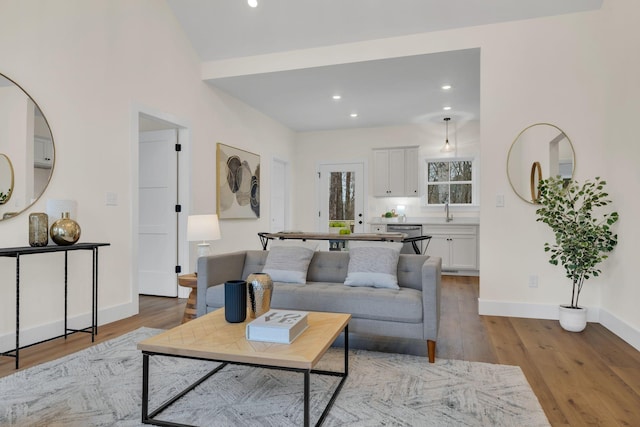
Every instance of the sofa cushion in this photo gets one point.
(404, 305)
(373, 264)
(289, 261)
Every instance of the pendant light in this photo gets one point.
(447, 147)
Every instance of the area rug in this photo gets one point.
(101, 386)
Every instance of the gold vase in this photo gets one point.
(259, 289)
(38, 229)
(65, 231)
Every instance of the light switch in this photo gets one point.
(500, 200)
(112, 199)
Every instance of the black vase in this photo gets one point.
(235, 301)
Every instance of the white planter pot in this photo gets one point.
(573, 319)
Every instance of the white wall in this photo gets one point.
(89, 65)
(622, 153)
(576, 71)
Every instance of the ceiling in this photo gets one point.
(384, 92)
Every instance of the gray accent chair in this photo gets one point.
(413, 311)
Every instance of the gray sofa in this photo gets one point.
(413, 311)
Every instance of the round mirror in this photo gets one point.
(6, 179)
(540, 151)
(27, 148)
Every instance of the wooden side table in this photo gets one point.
(190, 281)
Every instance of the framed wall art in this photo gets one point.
(238, 183)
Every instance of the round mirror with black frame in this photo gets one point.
(27, 151)
(540, 151)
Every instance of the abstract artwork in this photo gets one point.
(238, 183)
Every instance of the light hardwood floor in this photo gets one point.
(591, 378)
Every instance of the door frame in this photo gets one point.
(184, 191)
(365, 187)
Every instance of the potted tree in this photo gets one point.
(582, 232)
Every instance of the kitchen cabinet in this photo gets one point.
(411, 179)
(395, 172)
(457, 245)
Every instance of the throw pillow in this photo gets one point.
(373, 264)
(288, 261)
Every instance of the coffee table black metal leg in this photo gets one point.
(145, 387)
(307, 380)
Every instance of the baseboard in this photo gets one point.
(620, 328)
(549, 311)
(45, 331)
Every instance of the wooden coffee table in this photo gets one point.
(210, 337)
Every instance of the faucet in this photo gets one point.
(446, 210)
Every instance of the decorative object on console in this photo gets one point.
(373, 264)
(238, 183)
(235, 301)
(582, 240)
(65, 231)
(288, 261)
(38, 229)
(203, 228)
(56, 207)
(260, 288)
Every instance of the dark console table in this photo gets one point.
(28, 250)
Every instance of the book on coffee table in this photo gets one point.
(278, 326)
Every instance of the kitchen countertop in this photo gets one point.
(426, 220)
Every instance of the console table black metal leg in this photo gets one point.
(17, 310)
(66, 295)
(94, 309)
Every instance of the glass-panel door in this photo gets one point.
(341, 198)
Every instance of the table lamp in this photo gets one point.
(203, 228)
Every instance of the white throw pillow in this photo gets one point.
(288, 261)
(373, 264)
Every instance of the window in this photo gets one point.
(342, 196)
(450, 180)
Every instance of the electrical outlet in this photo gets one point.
(500, 200)
(533, 281)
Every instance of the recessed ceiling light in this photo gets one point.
(353, 115)
(446, 87)
(253, 3)
(446, 108)
(337, 97)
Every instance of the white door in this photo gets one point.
(342, 187)
(157, 231)
(279, 199)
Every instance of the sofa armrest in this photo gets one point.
(214, 270)
(431, 276)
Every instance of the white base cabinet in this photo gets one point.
(457, 245)
(378, 228)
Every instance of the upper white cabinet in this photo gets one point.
(411, 182)
(395, 172)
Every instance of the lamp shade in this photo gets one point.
(203, 227)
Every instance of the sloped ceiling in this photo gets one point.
(383, 93)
